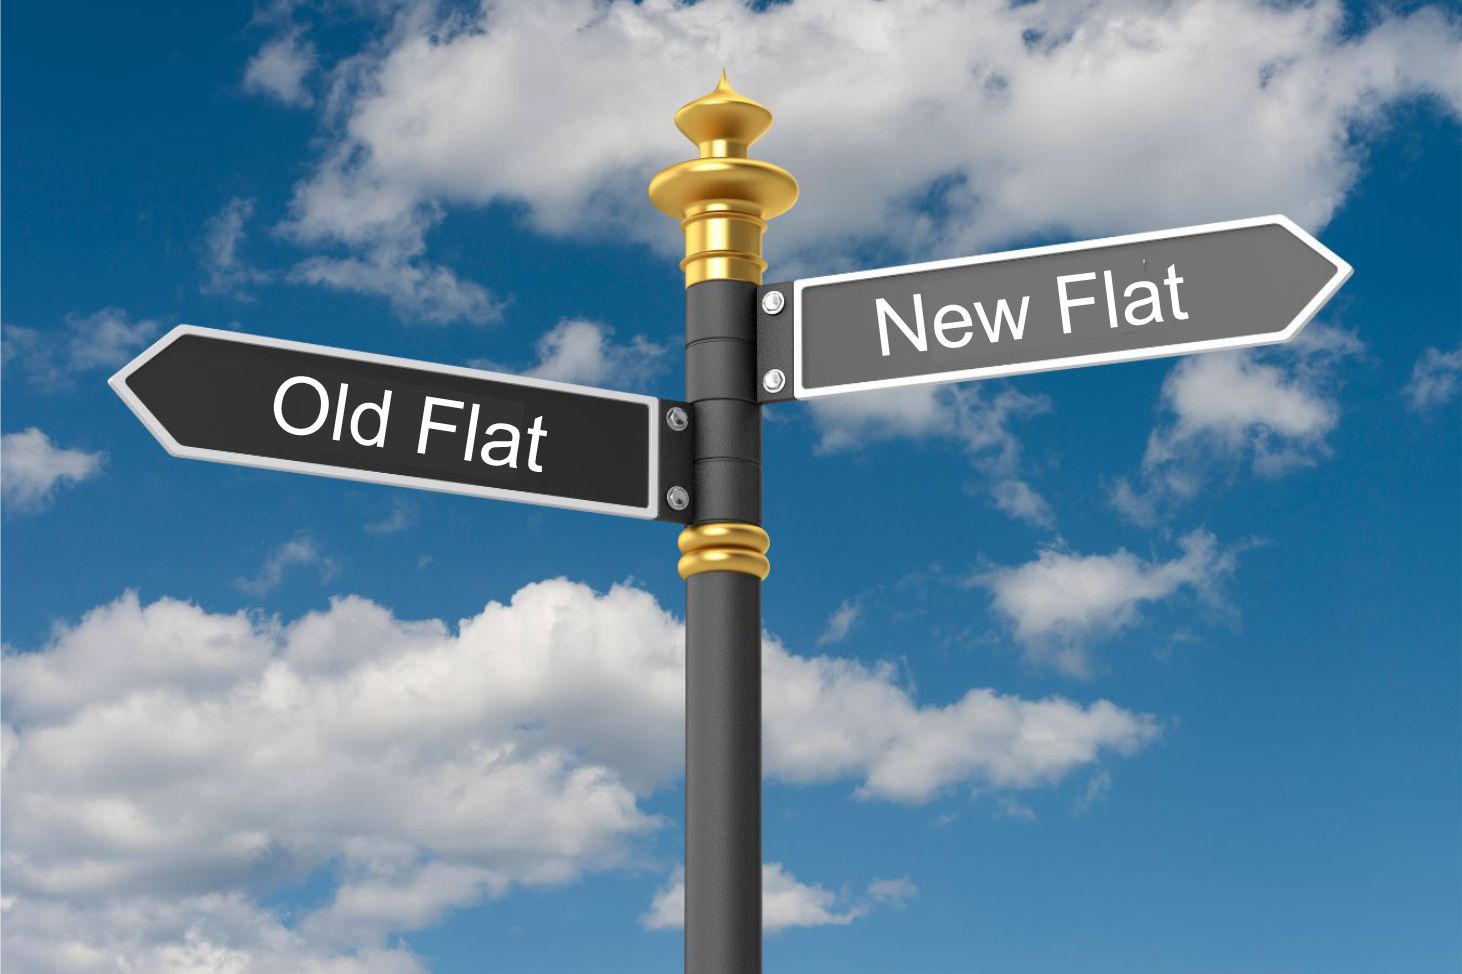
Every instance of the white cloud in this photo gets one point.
(667, 909)
(854, 421)
(170, 646)
(1060, 603)
(32, 468)
(298, 552)
(892, 892)
(785, 902)
(401, 516)
(280, 68)
(1271, 408)
(971, 416)
(166, 766)
(1020, 500)
(1435, 378)
(368, 908)
(418, 291)
(829, 719)
(1012, 807)
(228, 273)
(576, 350)
(216, 933)
(1242, 403)
(104, 340)
(583, 351)
(1098, 787)
(840, 623)
(982, 106)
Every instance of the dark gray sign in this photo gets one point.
(1226, 285)
(261, 402)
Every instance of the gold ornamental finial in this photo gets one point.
(723, 199)
(724, 123)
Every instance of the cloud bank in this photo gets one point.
(166, 767)
(915, 128)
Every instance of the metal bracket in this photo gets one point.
(676, 461)
(774, 343)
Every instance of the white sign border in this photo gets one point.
(799, 391)
(118, 382)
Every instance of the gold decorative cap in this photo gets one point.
(723, 199)
(724, 116)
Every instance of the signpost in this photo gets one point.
(217, 395)
(1223, 285)
(261, 402)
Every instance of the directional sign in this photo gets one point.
(1223, 285)
(261, 402)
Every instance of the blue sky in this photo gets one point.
(1145, 668)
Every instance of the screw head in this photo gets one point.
(678, 498)
(677, 418)
(773, 302)
(774, 380)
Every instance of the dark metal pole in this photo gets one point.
(723, 642)
(723, 200)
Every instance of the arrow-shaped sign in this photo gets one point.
(262, 402)
(1222, 285)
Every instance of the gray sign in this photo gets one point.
(1227, 285)
(262, 402)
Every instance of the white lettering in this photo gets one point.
(966, 324)
(340, 411)
(535, 433)
(1150, 302)
(279, 406)
(1068, 302)
(426, 422)
(1111, 298)
(471, 437)
(1172, 281)
(381, 411)
(510, 444)
(1002, 313)
(916, 337)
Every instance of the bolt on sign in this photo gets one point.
(261, 402)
